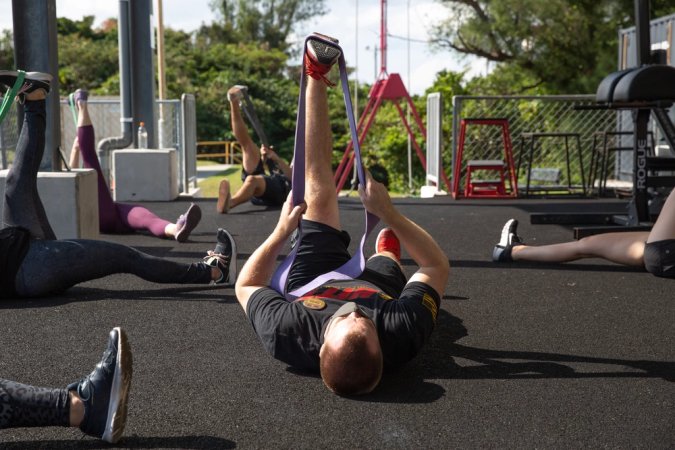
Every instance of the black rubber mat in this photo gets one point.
(523, 356)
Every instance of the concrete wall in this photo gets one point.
(70, 200)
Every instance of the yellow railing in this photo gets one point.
(229, 151)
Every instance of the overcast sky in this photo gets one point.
(341, 22)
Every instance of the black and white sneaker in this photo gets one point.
(105, 391)
(508, 240)
(224, 257)
(32, 81)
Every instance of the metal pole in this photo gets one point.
(410, 183)
(383, 36)
(35, 50)
(161, 77)
(142, 68)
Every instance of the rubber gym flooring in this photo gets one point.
(523, 356)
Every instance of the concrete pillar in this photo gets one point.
(35, 50)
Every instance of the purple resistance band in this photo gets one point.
(354, 267)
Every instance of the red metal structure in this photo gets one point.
(504, 169)
(386, 87)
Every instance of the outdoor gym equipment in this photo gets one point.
(645, 89)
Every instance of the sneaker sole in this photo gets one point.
(324, 53)
(192, 218)
(119, 392)
(232, 270)
(509, 227)
(40, 80)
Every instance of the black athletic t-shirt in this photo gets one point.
(292, 332)
(14, 243)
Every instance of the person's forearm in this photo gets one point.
(259, 268)
(421, 247)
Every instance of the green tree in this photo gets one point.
(6, 49)
(266, 21)
(88, 58)
(561, 46)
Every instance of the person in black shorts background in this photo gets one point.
(653, 250)
(348, 330)
(259, 187)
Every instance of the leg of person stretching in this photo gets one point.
(22, 201)
(320, 194)
(254, 185)
(626, 248)
(120, 217)
(97, 403)
(251, 152)
(51, 267)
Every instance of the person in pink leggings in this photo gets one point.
(115, 217)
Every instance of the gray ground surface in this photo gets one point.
(561, 355)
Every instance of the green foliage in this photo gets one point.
(6, 49)
(557, 46)
(534, 46)
(269, 22)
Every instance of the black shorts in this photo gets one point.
(323, 249)
(660, 258)
(277, 187)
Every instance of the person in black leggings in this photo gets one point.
(97, 403)
(34, 263)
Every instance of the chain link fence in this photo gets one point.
(550, 119)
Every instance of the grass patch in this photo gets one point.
(209, 186)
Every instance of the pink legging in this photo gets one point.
(115, 217)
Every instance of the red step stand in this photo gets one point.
(504, 169)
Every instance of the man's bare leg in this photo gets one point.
(251, 152)
(320, 194)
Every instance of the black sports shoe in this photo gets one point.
(509, 239)
(104, 391)
(224, 256)
(32, 81)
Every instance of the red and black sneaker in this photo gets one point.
(320, 57)
(387, 241)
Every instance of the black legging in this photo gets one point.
(52, 265)
(22, 201)
(22, 405)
